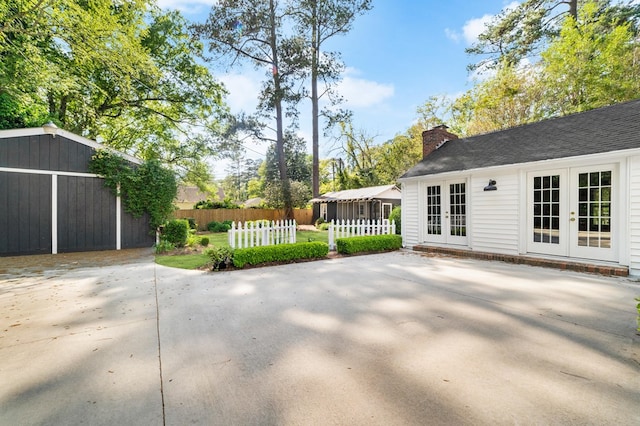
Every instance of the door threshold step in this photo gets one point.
(564, 263)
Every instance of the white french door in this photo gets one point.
(591, 217)
(446, 213)
(547, 227)
(571, 212)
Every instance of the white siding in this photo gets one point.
(634, 216)
(410, 220)
(495, 215)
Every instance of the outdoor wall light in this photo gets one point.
(491, 186)
(50, 128)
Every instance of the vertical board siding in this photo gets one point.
(410, 212)
(79, 201)
(43, 152)
(496, 218)
(634, 216)
(4, 212)
(136, 232)
(25, 221)
(86, 210)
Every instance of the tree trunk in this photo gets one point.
(315, 172)
(282, 163)
(573, 8)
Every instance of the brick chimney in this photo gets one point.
(434, 138)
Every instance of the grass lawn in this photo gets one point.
(183, 261)
(220, 239)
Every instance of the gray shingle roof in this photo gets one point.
(601, 130)
(371, 192)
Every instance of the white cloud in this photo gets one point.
(452, 34)
(361, 93)
(474, 27)
(187, 6)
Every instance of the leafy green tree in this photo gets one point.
(124, 73)
(396, 156)
(513, 96)
(300, 195)
(591, 62)
(172, 114)
(239, 174)
(361, 159)
(526, 29)
(516, 32)
(298, 165)
(329, 171)
(590, 65)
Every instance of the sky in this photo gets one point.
(396, 55)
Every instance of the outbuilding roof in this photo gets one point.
(607, 129)
(360, 194)
(33, 131)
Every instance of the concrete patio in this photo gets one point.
(384, 339)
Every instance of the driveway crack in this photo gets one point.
(155, 287)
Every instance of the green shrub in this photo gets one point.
(204, 241)
(210, 204)
(176, 232)
(219, 226)
(192, 223)
(148, 187)
(260, 223)
(164, 246)
(279, 253)
(368, 243)
(192, 240)
(396, 216)
(221, 257)
(323, 226)
(319, 221)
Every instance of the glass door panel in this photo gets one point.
(593, 220)
(547, 207)
(434, 211)
(594, 209)
(458, 209)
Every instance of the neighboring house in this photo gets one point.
(188, 196)
(565, 188)
(253, 203)
(50, 201)
(374, 203)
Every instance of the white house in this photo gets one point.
(566, 188)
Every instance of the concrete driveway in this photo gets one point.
(387, 339)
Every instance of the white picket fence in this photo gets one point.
(357, 227)
(262, 233)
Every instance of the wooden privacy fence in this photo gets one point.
(262, 233)
(354, 228)
(204, 216)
